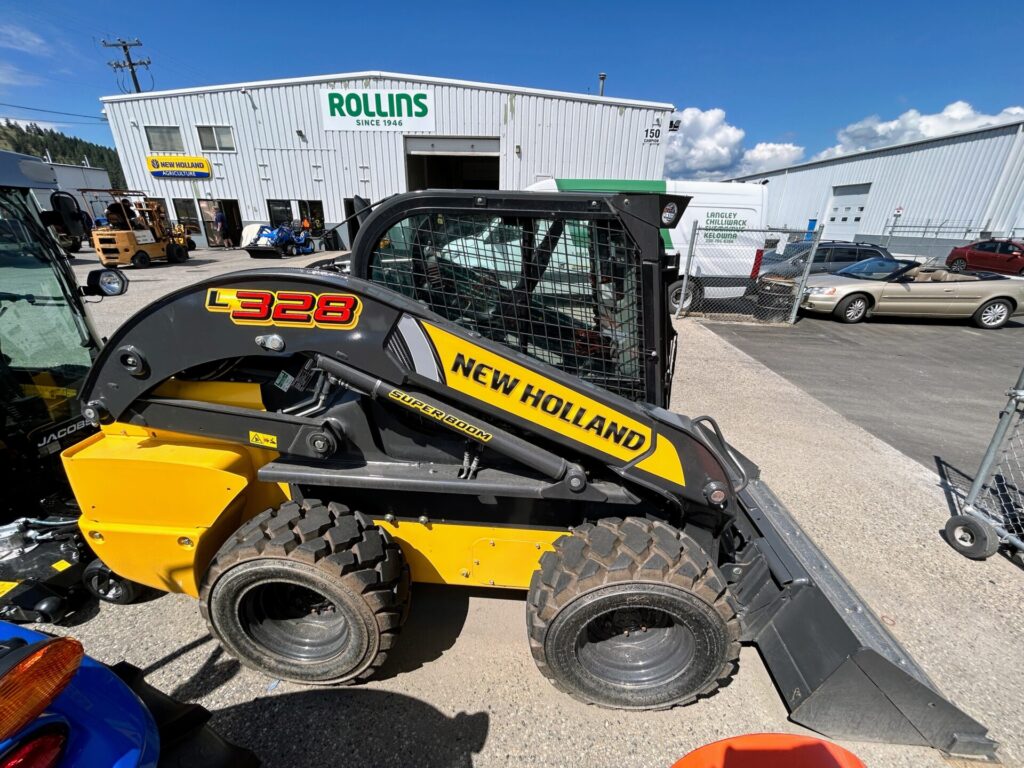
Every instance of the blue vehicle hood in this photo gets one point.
(107, 724)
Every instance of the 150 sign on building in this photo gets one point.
(377, 110)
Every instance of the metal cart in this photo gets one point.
(993, 512)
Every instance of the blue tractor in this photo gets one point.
(278, 242)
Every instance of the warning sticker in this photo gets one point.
(7, 586)
(262, 439)
(61, 565)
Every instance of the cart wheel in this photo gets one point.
(141, 260)
(971, 537)
(108, 586)
(190, 244)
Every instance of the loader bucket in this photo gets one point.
(264, 252)
(838, 669)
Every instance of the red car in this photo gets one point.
(1006, 256)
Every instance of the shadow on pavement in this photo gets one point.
(352, 727)
(435, 620)
(955, 484)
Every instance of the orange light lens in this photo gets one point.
(30, 685)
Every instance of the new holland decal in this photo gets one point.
(294, 309)
(500, 382)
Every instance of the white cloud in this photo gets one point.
(11, 75)
(707, 147)
(872, 132)
(18, 38)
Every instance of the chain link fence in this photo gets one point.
(996, 496)
(752, 275)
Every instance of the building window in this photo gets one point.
(843, 219)
(280, 212)
(856, 218)
(216, 138)
(314, 211)
(164, 138)
(186, 214)
(832, 219)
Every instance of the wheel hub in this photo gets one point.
(635, 646)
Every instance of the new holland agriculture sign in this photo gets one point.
(377, 110)
(178, 167)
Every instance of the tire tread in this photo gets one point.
(344, 544)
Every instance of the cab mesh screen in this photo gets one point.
(567, 292)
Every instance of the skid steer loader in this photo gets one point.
(482, 402)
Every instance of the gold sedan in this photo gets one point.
(906, 288)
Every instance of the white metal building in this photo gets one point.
(953, 188)
(281, 150)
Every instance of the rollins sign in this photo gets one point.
(377, 110)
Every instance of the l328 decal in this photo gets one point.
(295, 309)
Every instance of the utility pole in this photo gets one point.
(127, 63)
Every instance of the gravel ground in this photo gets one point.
(462, 689)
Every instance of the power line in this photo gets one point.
(12, 118)
(127, 63)
(51, 111)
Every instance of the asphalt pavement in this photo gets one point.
(461, 688)
(933, 389)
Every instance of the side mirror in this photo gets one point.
(105, 282)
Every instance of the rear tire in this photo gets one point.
(993, 314)
(852, 309)
(958, 265)
(141, 260)
(176, 253)
(308, 592)
(694, 296)
(630, 614)
(74, 246)
(971, 537)
(190, 244)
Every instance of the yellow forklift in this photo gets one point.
(134, 230)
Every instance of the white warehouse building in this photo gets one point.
(282, 150)
(919, 197)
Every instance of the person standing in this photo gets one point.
(220, 225)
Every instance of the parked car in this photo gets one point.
(886, 286)
(831, 256)
(1005, 256)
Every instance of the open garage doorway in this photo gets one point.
(452, 163)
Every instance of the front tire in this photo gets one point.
(993, 314)
(958, 265)
(141, 260)
(630, 614)
(852, 309)
(971, 537)
(308, 592)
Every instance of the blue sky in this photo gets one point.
(761, 83)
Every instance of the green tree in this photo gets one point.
(33, 140)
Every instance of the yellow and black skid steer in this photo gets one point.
(480, 401)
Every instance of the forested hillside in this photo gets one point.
(33, 140)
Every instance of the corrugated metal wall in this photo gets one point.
(975, 178)
(558, 137)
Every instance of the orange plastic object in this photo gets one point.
(31, 684)
(770, 750)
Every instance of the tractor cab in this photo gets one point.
(47, 345)
(133, 230)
